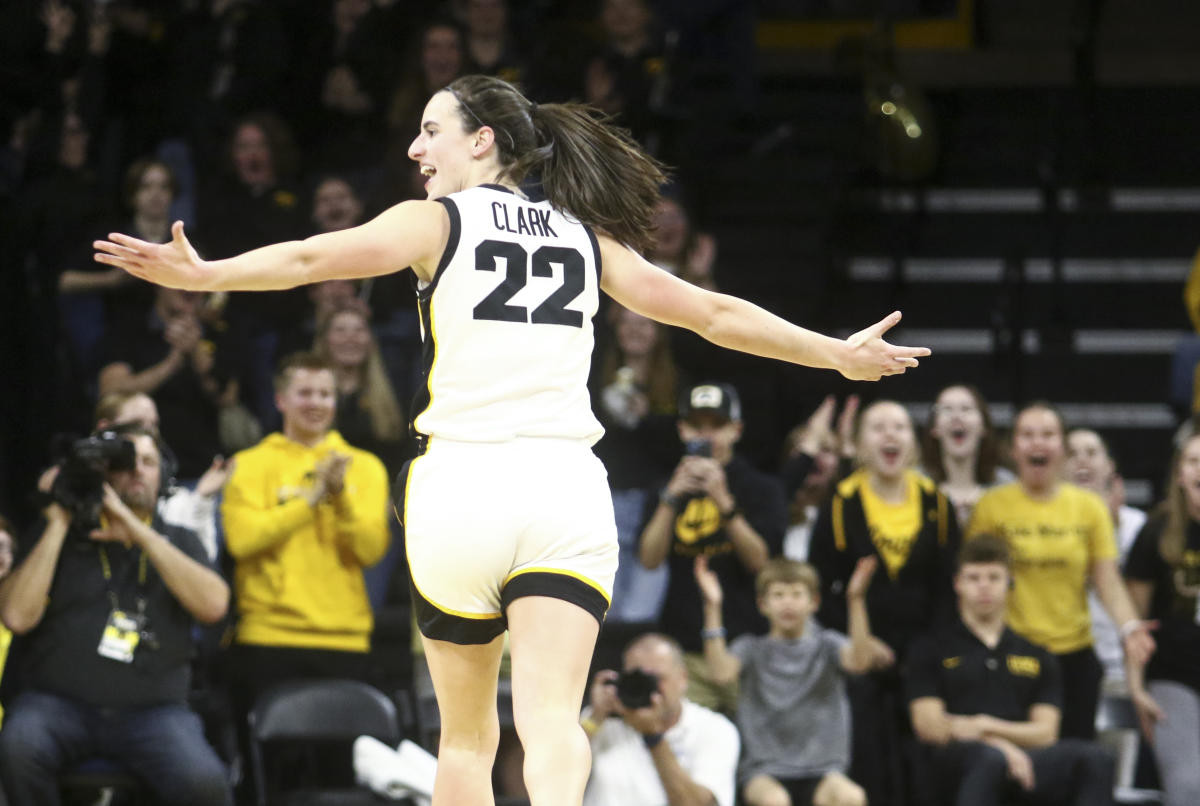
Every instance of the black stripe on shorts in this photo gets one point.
(442, 626)
(556, 586)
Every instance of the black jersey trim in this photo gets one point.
(556, 585)
(439, 625)
(596, 251)
(501, 188)
(451, 245)
(424, 394)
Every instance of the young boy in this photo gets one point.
(792, 712)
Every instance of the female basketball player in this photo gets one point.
(507, 515)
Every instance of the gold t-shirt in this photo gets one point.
(1054, 543)
(894, 526)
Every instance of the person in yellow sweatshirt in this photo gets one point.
(304, 513)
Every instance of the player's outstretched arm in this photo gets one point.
(740, 325)
(412, 234)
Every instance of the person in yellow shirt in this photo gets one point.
(304, 513)
(1062, 541)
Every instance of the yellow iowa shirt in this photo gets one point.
(1054, 543)
(894, 526)
(298, 568)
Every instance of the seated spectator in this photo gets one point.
(439, 60)
(629, 78)
(304, 513)
(149, 189)
(988, 701)
(185, 365)
(668, 751)
(1090, 465)
(250, 201)
(368, 415)
(889, 510)
(960, 450)
(792, 712)
(491, 47)
(191, 508)
(1061, 537)
(347, 64)
(1163, 575)
(718, 505)
(635, 400)
(816, 458)
(678, 246)
(107, 614)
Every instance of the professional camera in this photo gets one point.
(635, 687)
(79, 486)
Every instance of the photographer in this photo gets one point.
(659, 748)
(717, 505)
(106, 599)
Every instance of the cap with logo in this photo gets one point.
(719, 399)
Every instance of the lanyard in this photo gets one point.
(106, 568)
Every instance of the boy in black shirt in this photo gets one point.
(989, 702)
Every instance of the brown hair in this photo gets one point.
(662, 387)
(280, 142)
(134, 174)
(591, 170)
(985, 548)
(376, 398)
(295, 361)
(1174, 510)
(986, 457)
(781, 569)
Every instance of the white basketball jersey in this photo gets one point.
(507, 323)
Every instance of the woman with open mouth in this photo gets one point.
(1061, 536)
(960, 450)
(889, 510)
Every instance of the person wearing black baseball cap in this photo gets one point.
(716, 505)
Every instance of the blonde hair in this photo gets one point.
(376, 395)
(786, 571)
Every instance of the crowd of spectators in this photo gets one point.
(785, 612)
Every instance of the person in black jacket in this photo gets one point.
(717, 505)
(885, 509)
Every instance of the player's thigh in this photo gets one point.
(464, 681)
(551, 643)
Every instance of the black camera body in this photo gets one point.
(635, 688)
(79, 486)
(697, 447)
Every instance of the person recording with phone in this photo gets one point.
(105, 600)
(650, 744)
(715, 504)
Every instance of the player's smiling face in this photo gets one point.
(443, 149)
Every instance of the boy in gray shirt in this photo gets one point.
(792, 710)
